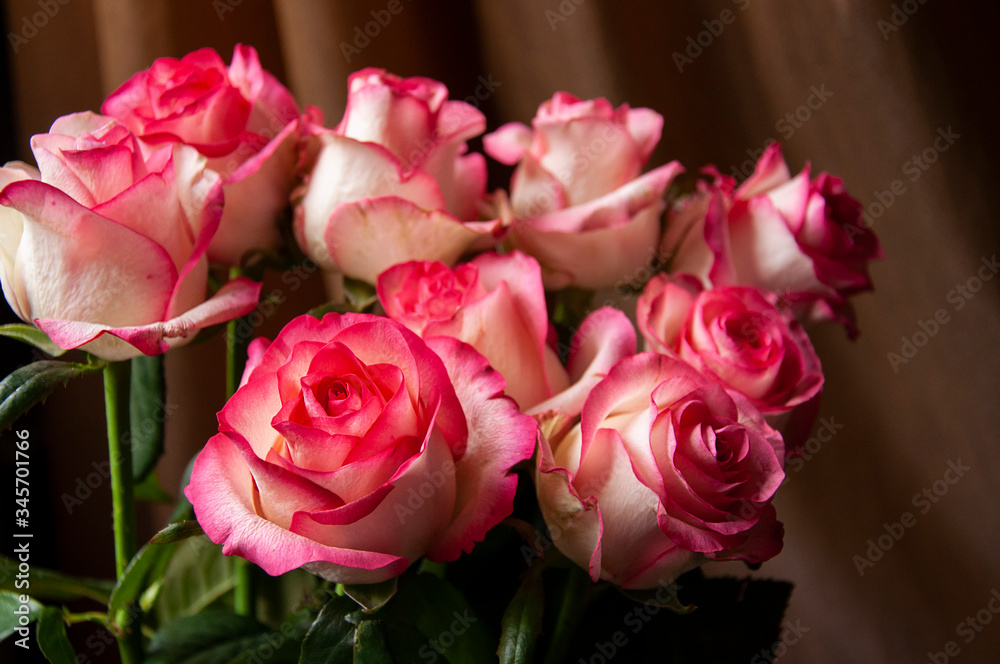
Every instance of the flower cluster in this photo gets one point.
(358, 443)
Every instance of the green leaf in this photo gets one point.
(197, 576)
(360, 294)
(447, 624)
(148, 411)
(522, 621)
(331, 640)
(370, 646)
(31, 384)
(32, 336)
(176, 532)
(11, 612)
(215, 637)
(47, 584)
(372, 596)
(52, 638)
(148, 566)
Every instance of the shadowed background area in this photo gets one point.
(861, 89)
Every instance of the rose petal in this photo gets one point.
(499, 438)
(221, 491)
(237, 298)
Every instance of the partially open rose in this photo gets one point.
(392, 183)
(803, 239)
(353, 448)
(104, 246)
(240, 117)
(580, 203)
(495, 303)
(734, 334)
(665, 471)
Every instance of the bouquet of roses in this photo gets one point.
(470, 445)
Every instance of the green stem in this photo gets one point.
(116, 406)
(574, 605)
(243, 595)
(236, 353)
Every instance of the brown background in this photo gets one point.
(891, 92)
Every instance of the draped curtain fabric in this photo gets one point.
(894, 98)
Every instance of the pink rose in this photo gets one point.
(494, 303)
(735, 335)
(353, 448)
(579, 202)
(104, 246)
(392, 183)
(805, 240)
(240, 117)
(664, 471)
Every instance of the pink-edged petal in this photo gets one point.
(77, 124)
(624, 502)
(80, 265)
(622, 228)
(664, 570)
(499, 438)
(280, 493)
(508, 143)
(369, 236)
(11, 228)
(761, 543)
(273, 105)
(348, 171)
(399, 524)
(199, 191)
(574, 522)
(590, 156)
(461, 179)
(770, 171)
(236, 298)
(534, 191)
(249, 410)
(256, 192)
(791, 199)
(605, 337)
(645, 126)
(400, 123)
(765, 253)
(662, 309)
(222, 493)
(523, 278)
